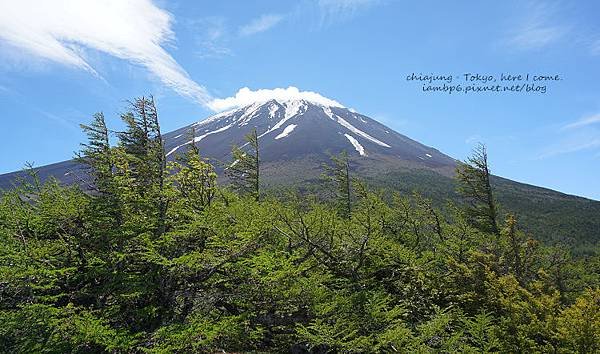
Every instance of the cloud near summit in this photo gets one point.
(246, 96)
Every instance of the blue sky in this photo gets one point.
(59, 64)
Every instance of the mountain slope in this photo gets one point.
(299, 128)
(297, 136)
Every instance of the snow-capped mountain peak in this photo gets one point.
(293, 127)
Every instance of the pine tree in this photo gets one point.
(339, 174)
(143, 162)
(142, 141)
(147, 108)
(474, 186)
(97, 153)
(244, 169)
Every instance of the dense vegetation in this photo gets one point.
(159, 258)
(551, 217)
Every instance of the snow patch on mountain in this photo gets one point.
(173, 150)
(248, 114)
(286, 131)
(273, 108)
(356, 144)
(292, 109)
(198, 138)
(352, 128)
(215, 117)
(360, 132)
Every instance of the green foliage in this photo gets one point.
(338, 173)
(161, 259)
(481, 332)
(96, 153)
(244, 170)
(474, 186)
(550, 217)
(579, 324)
(192, 180)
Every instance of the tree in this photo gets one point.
(142, 161)
(244, 169)
(519, 251)
(473, 177)
(339, 174)
(142, 142)
(193, 178)
(96, 153)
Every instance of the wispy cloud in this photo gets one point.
(570, 146)
(342, 9)
(65, 122)
(61, 31)
(585, 121)
(582, 134)
(538, 28)
(212, 36)
(260, 24)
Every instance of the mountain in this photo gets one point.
(298, 135)
(296, 129)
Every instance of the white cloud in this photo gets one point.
(535, 36)
(582, 134)
(585, 121)
(538, 29)
(133, 30)
(211, 34)
(61, 120)
(260, 24)
(571, 145)
(332, 10)
(245, 97)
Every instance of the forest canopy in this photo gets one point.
(157, 257)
